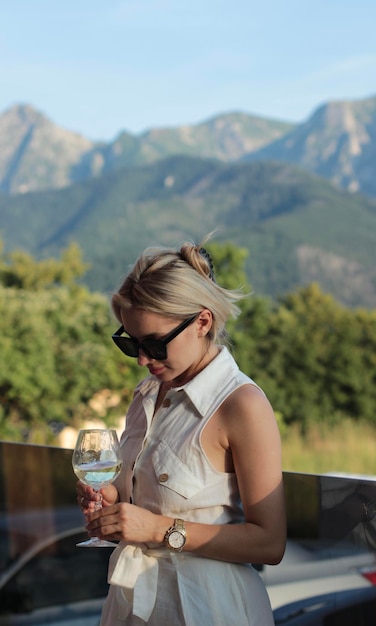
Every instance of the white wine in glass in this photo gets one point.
(97, 462)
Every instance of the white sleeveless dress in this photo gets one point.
(166, 471)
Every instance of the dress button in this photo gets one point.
(167, 402)
(163, 478)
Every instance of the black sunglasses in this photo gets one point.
(153, 348)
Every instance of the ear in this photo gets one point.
(204, 322)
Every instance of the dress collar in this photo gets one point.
(201, 388)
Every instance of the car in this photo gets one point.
(307, 569)
(355, 607)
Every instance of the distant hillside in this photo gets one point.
(338, 142)
(296, 226)
(36, 154)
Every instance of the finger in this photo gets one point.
(83, 504)
(108, 522)
(86, 491)
(105, 513)
(95, 521)
(109, 532)
(86, 505)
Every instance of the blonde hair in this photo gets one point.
(177, 283)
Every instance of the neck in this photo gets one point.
(189, 374)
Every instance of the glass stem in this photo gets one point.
(98, 503)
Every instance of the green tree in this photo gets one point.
(57, 354)
(317, 359)
(56, 348)
(229, 265)
(20, 270)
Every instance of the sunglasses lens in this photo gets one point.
(128, 346)
(154, 349)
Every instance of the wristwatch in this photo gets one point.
(176, 536)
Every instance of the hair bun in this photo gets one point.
(198, 258)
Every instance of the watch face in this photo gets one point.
(176, 539)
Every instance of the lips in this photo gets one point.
(156, 371)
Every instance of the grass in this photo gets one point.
(346, 447)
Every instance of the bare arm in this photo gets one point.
(247, 426)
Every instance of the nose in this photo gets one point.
(143, 359)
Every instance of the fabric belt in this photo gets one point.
(134, 571)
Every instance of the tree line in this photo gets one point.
(314, 358)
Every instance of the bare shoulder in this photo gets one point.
(247, 411)
(247, 393)
(246, 401)
(245, 428)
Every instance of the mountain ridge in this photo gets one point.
(37, 154)
(337, 141)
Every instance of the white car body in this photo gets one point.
(302, 573)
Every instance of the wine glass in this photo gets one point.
(97, 462)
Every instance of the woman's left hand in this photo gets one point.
(128, 522)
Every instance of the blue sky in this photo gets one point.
(101, 66)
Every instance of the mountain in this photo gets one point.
(338, 142)
(36, 154)
(296, 226)
(226, 137)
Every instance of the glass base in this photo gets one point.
(95, 542)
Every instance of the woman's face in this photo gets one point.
(185, 353)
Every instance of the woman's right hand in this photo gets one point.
(87, 497)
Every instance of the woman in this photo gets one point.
(200, 496)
